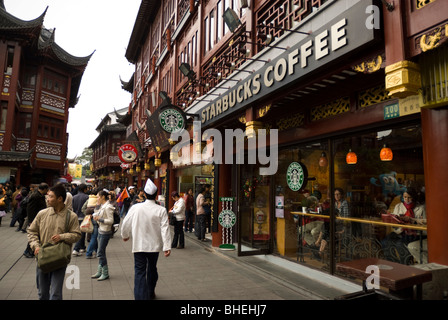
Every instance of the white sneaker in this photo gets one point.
(75, 253)
(82, 250)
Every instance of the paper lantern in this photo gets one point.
(386, 154)
(351, 157)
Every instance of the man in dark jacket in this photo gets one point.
(78, 201)
(36, 202)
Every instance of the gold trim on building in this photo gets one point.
(403, 79)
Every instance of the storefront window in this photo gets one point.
(348, 210)
(375, 190)
(302, 222)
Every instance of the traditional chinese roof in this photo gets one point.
(15, 156)
(34, 34)
(129, 85)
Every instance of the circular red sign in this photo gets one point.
(127, 153)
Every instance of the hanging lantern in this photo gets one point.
(323, 161)
(386, 154)
(351, 157)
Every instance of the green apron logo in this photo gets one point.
(296, 176)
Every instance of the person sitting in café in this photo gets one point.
(342, 210)
(409, 211)
(311, 227)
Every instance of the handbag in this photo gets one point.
(55, 256)
(86, 225)
(172, 218)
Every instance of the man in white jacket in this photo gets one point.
(147, 224)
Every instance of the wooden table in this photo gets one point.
(398, 278)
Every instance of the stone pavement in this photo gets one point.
(198, 272)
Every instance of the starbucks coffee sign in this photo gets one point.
(296, 176)
(227, 218)
(172, 119)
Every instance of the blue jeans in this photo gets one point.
(93, 244)
(103, 240)
(145, 274)
(49, 285)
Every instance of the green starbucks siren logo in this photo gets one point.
(172, 120)
(296, 176)
(227, 218)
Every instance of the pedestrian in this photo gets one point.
(78, 201)
(201, 214)
(147, 224)
(2, 205)
(36, 203)
(49, 226)
(15, 216)
(178, 212)
(140, 197)
(69, 200)
(91, 206)
(127, 202)
(20, 211)
(189, 210)
(105, 219)
(208, 211)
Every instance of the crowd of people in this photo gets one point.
(40, 211)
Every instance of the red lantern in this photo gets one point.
(351, 157)
(386, 154)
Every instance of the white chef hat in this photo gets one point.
(150, 187)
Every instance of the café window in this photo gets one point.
(361, 210)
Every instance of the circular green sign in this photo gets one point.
(172, 120)
(227, 218)
(296, 176)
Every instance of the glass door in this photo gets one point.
(254, 211)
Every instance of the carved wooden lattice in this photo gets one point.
(283, 14)
(372, 96)
(333, 108)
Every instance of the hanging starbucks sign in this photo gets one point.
(172, 119)
(296, 176)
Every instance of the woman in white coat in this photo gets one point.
(105, 219)
(178, 212)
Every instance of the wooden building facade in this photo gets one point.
(331, 78)
(39, 84)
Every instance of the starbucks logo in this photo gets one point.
(172, 120)
(227, 218)
(296, 176)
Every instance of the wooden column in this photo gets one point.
(435, 135)
(8, 141)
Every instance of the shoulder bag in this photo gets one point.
(55, 256)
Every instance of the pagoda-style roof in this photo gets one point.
(48, 46)
(124, 119)
(129, 85)
(116, 127)
(28, 32)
